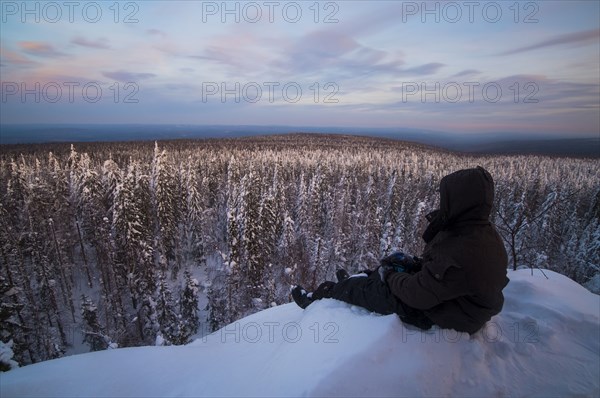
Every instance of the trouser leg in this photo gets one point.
(367, 292)
(374, 295)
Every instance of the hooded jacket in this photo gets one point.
(464, 261)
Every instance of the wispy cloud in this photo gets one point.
(98, 43)
(521, 95)
(586, 36)
(14, 58)
(40, 49)
(336, 55)
(126, 76)
(324, 44)
(223, 56)
(316, 50)
(236, 54)
(156, 32)
(425, 69)
(467, 72)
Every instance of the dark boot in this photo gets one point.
(341, 275)
(301, 297)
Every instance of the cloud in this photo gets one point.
(225, 56)
(324, 44)
(425, 69)
(238, 54)
(569, 38)
(333, 55)
(99, 43)
(62, 78)
(552, 93)
(372, 20)
(40, 49)
(14, 58)
(341, 57)
(156, 32)
(324, 54)
(529, 97)
(125, 76)
(466, 72)
(315, 51)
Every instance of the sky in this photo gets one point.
(460, 67)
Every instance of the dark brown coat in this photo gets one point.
(464, 262)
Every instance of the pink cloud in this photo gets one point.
(12, 57)
(40, 49)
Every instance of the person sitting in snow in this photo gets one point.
(458, 281)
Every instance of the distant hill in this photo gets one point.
(580, 147)
(494, 143)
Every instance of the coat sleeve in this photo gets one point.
(436, 283)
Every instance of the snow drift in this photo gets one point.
(546, 342)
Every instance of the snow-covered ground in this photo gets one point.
(546, 342)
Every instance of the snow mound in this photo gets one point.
(546, 342)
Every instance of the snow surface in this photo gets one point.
(546, 342)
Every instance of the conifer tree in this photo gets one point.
(93, 333)
(135, 254)
(165, 207)
(253, 241)
(167, 319)
(189, 323)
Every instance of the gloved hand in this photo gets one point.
(401, 262)
(384, 271)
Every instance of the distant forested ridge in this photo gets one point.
(141, 243)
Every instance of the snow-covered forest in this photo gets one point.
(139, 243)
